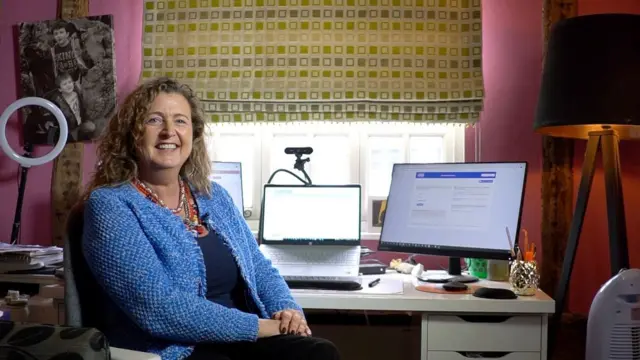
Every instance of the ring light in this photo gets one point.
(62, 140)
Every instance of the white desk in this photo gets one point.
(450, 323)
(124, 354)
(455, 323)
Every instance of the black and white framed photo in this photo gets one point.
(376, 209)
(71, 63)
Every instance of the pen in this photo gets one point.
(526, 241)
(511, 249)
(374, 282)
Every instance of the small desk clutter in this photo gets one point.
(27, 264)
(28, 258)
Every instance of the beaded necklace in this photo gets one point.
(187, 204)
(151, 195)
(191, 218)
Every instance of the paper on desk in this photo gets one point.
(385, 287)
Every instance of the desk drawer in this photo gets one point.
(484, 333)
(452, 355)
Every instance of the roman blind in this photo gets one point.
(322, 60)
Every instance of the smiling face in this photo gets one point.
(66, 85)
(168, 134)
(61, 36)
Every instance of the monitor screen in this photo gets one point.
(457, 209)
(229, 176)
(318, 214)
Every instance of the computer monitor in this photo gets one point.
(454, 209)
(228, 174)
(311, 214)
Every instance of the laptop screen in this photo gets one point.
(318, 215)
(229, 176)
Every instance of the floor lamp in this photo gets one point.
(591, 90)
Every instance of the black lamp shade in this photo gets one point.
(591, 77)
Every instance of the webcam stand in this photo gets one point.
(298, 165)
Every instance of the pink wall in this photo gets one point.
(36, 217)
(512, 64)
(512, 53)
(512, 59)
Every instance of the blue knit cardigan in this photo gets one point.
(152, 270)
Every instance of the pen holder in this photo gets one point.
(524, 277)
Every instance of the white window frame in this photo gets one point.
(308, 133)
(359, 135)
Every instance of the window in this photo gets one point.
(360, 153)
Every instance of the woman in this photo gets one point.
(182, 269)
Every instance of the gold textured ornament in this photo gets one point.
(524, 277)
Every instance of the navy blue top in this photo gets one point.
(224, 283)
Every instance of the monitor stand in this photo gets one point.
(454, 273)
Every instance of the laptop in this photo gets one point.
(228, 174)
(312, 232)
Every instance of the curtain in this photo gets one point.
(322, 60)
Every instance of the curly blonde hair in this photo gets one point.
(118, 148)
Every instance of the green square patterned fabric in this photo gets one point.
(337, 60)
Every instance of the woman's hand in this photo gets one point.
(292, 322)
(268, 328)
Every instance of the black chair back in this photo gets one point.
(84, 298)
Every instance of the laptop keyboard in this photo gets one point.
(322, 278)
(324, 282)
(316, 256)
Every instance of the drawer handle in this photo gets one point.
(483, 355)
(484, 318)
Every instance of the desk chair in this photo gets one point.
(82, 295)
(84, 298)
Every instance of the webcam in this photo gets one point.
(298, 150)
